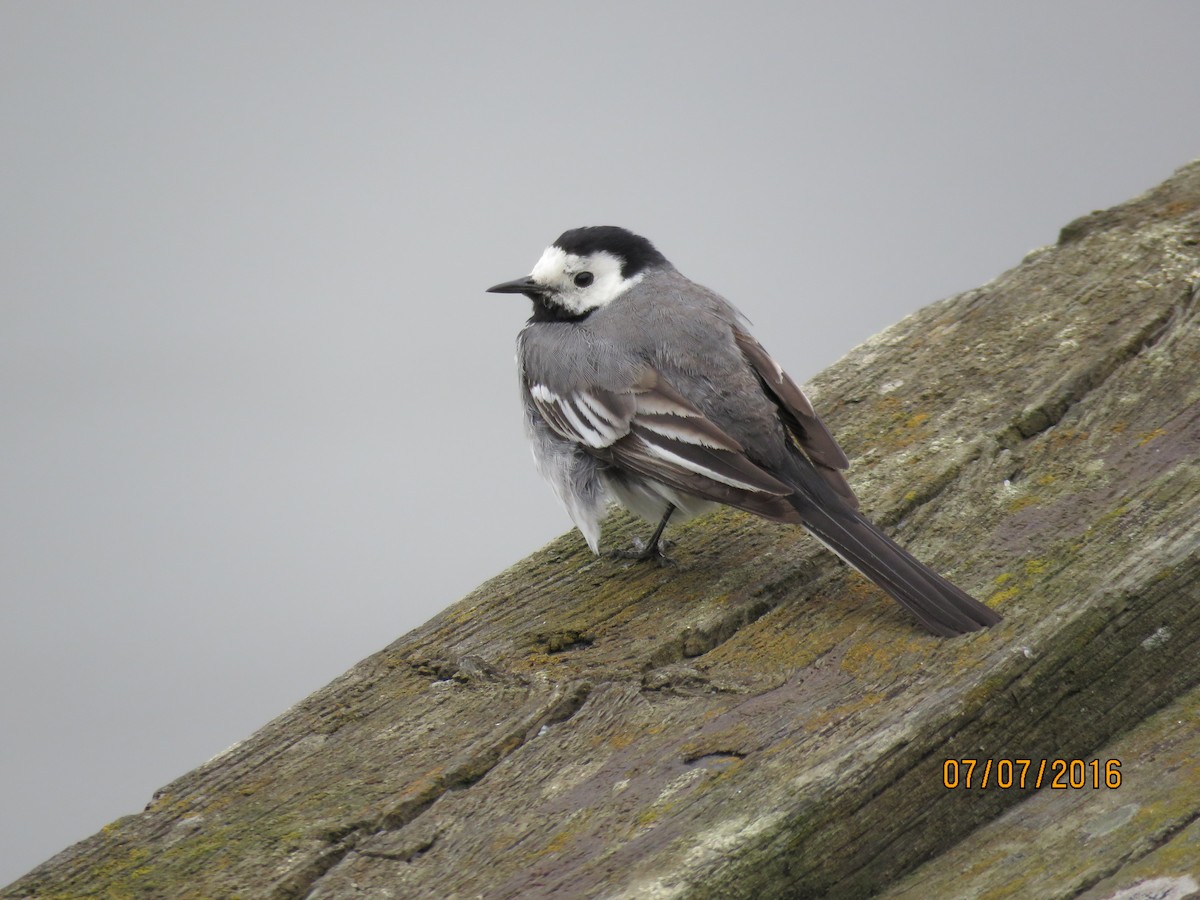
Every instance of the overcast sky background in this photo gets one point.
(259, 417)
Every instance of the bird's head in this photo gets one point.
(585, 269)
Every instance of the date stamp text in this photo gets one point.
(1056, 774)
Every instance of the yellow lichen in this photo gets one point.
(1147, 436)
(1021, 502)
(1002, 596)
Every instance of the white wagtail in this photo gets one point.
(644, 388)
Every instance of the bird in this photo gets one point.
(644, 389)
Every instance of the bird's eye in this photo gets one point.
(583, 279)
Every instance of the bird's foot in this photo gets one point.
(642, 552)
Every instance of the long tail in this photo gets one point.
(940, 606)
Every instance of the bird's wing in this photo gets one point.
(653, 430)
(806, 429)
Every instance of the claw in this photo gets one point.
(643, 554)
(653, 550)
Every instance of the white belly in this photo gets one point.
(649, 499)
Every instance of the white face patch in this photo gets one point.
(558, 270)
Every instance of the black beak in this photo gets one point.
(526, 286)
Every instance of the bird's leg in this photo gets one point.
(654, 549)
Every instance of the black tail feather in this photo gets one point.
(940, 606)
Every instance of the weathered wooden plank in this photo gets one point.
(1092, 842)
(763, 722)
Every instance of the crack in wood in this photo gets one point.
(1047, 412)
(345, 839)
(1160, 840)
(415, 852)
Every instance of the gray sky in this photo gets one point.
(259, 417)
